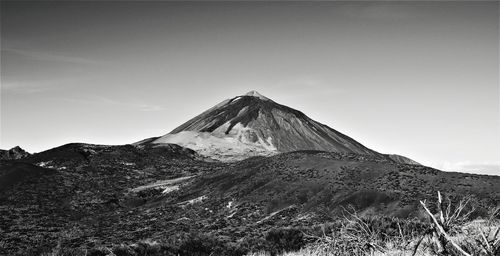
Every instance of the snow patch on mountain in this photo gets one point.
(49, 164)
(242, 111)
(167, 185)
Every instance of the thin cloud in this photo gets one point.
(29, 86)
(53, 57)
(100, 100)
(490, 168)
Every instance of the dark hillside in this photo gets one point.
(80, 184)
(312, 180)
(91, 195)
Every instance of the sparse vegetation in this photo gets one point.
(450, 231)
(291, 203)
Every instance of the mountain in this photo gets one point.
(165, 188)
(254, 125)
(13, 153)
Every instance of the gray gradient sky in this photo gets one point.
(419, 79)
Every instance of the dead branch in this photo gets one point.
(442, 231)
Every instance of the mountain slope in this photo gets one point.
(315, 181)
(252, 125)
(13, 153)
(402, 159)
(124, 194)
(85, 187)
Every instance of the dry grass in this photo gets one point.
(450, 232)
(470, 239)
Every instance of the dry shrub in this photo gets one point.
(453, 233)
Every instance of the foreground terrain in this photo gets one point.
(81, 199)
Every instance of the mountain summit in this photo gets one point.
(252, 125)
(256, 94)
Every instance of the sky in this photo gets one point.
(420, 79)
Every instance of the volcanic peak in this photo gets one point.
(254, 93)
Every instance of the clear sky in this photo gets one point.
(420, 79)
